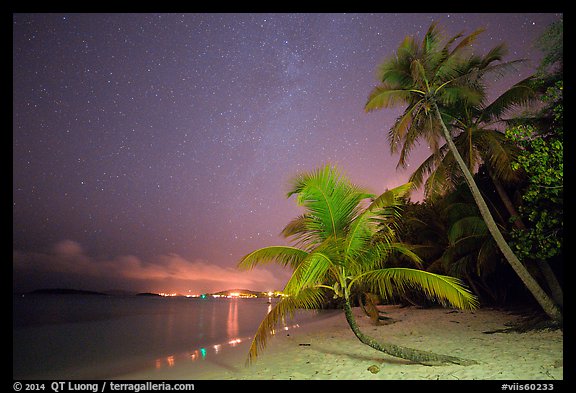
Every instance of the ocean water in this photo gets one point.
(101, 337)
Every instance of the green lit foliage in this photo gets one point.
(541, 158)
(342, 245)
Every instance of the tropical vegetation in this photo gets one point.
(341, 243)
(441, 83)
(492, 216)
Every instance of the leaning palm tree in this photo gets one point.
(430, 79)
(480, 142)
(340, 247)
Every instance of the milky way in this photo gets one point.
(160, 145)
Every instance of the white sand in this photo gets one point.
(335, 353)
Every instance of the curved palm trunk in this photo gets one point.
(423, 357)
(544, 266)
(541, 297)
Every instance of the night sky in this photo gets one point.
(152, 151)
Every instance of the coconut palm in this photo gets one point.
(480, 142)
(339, 249)
(430, 78)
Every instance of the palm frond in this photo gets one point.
(310, 272)
(421, 126)
(392, 73)
(467, 41)
(495, 54)
(391, 197)
(408, 49)
(448, 291)
(309, 298)
(303, 232)
(466, 227)
(499, 70)
(519, 95)
(432, 38)
(406, 250)
(402, 125)
(468, 94)
(427, 167)
(419, 75)
(440, 179)
(283, 255)
(359, 236)
(386, 96)
(329, 198)
(498, 154)
(427, 251)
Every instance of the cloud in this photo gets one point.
(170, 272)
(68, 247)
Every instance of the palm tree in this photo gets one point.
(430, 79)
(340, 247)
(480, 142)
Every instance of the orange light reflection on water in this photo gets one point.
(204, 352)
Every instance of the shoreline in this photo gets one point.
(331, 351)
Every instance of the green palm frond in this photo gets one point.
(312, 271)
(391, 197)
(309, 298)
(407, 49)
(448, 291)
(465, 43)
(408, 251)
(283, 255)
(446, 69)
(427, 167)
(498, 153)
(394, 75)
(456, 94)
(304, 232)
(419, 126)
(432, 39)
(500, 70)
(520, 95)
(329, 198)
(401, 128)
(459, 265)
(381, 252)
(472, 226)
(441, 179)
(495, 54)
(386, 96)
(359, 235)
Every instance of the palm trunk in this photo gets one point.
(414, 355)
(541, 297)
(544, 266)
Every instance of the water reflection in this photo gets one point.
(232, 322)
(209, 351)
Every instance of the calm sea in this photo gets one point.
(99, 337)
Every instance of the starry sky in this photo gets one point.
(152, 151)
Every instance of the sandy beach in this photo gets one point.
(327, 349)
